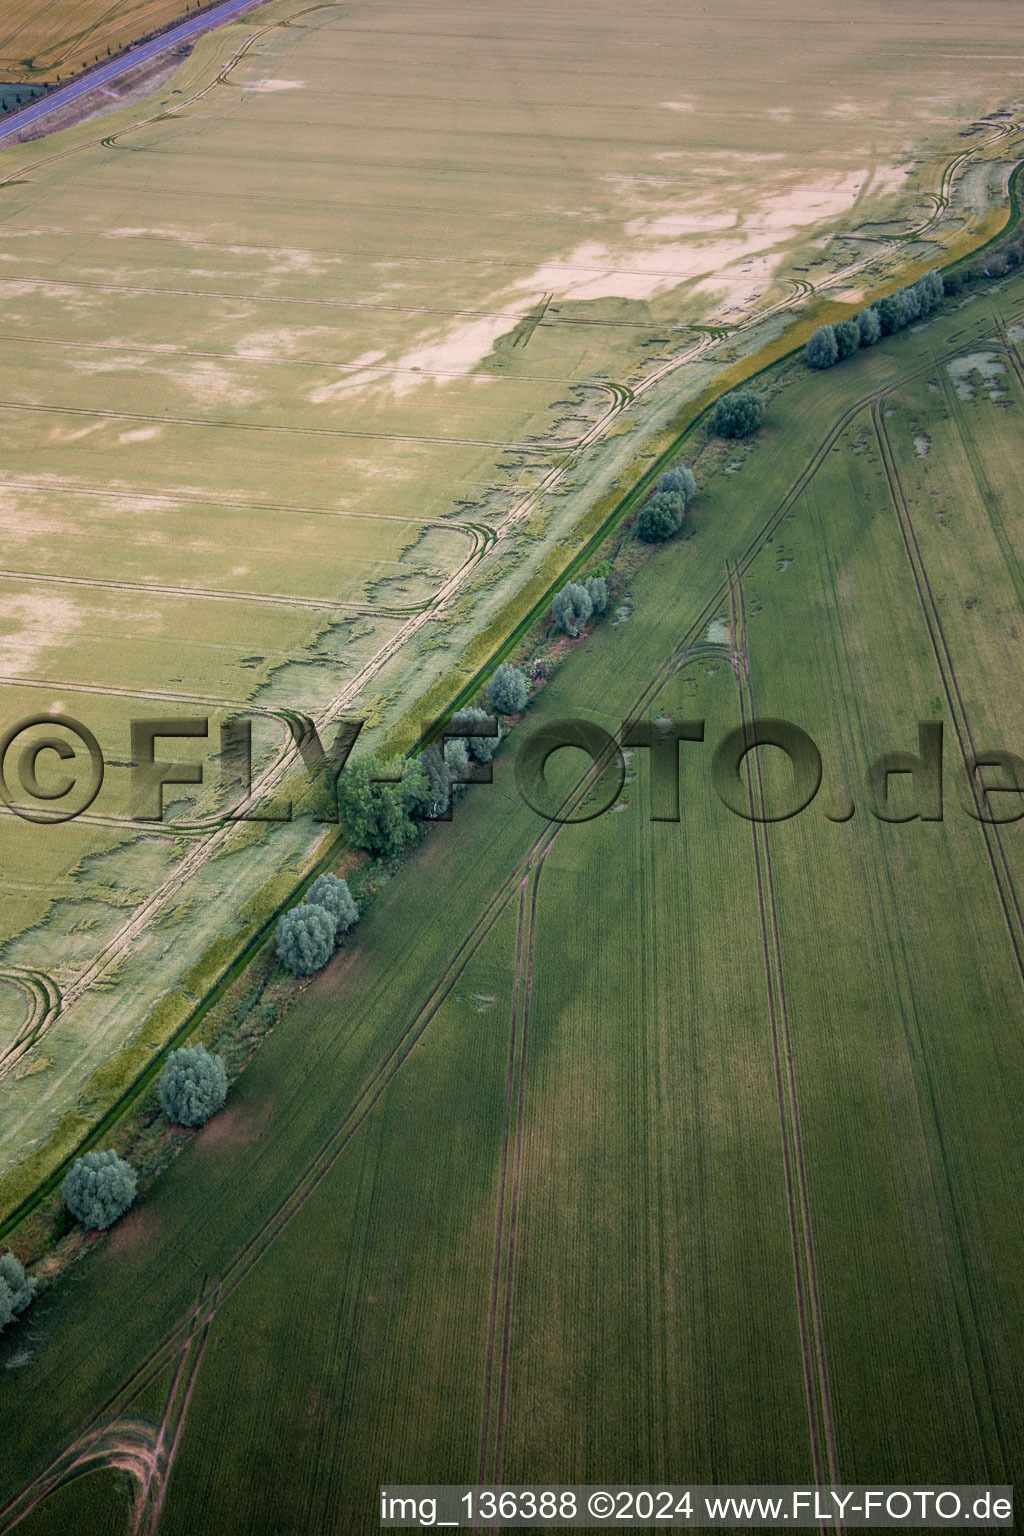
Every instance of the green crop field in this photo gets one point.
(633, 1148)
(320, 364)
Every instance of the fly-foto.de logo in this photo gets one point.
(52, 768)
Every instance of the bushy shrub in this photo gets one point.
(438, 794)
(193, 1085)
(930, 290)
(847, 334)
(330, 892)
(738, 414)
(822, 350)
(888, 311)
(305, 938)
(16, 1289)
(869, 327)
(507, 690)
(456, 756)
(571, 608)
(100, 1188)
(661, 517)
(597, 588)
(377, 802)
(482, 748)
(679, 479)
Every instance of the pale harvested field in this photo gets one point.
(40, 37)
(307, 364)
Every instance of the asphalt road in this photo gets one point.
(185, 31)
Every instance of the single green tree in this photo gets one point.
(100, 1187)
(376, 804)
(679, 479)
(507, 690)
(930, 290)
(330, 892)
(738, 414)
(661, 517)
(457, 761)
(909, 301)
(437, 796)
(305, 938)
(571, 608)
(16, 1289)
(890, 315)
(597, 588)
(869, 327)
(193, 1085)
(847, 338)
(822, 350)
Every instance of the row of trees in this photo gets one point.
(381, 809)
(832, 344)
(101, 1185)
(578, 602)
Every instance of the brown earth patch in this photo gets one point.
(235, 1126)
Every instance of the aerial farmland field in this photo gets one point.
(557, 1202)
(639, 1148)
(41, 38)
(314, 368)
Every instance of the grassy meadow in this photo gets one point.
(652, 1147)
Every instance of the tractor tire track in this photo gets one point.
(515, 1048)
(819, 1403)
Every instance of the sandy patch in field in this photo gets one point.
(281, 342)
(71, 298)
(363, 370)
(462, 346)
(160, 232)
(662, 248)
(211, 384)
(679, 106)
(291, 260)
(74, 434)
(846, 109)
(31, 624)
(887, 179)
(276, 85)
(109, 362)
(22, 522)
(375, 469)
(140, 435)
